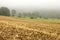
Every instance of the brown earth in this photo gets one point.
(19, 29)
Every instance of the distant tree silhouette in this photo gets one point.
(4, 11)
(19, 15)
(13, 12)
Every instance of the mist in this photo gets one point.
(31, 4)
(45, 8)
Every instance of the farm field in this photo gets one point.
(28, 29)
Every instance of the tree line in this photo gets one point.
(4, 11)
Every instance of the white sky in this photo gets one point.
(31, 3)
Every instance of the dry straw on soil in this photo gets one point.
(13, 29)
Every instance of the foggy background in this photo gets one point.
(31, 4)
(45, 8)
